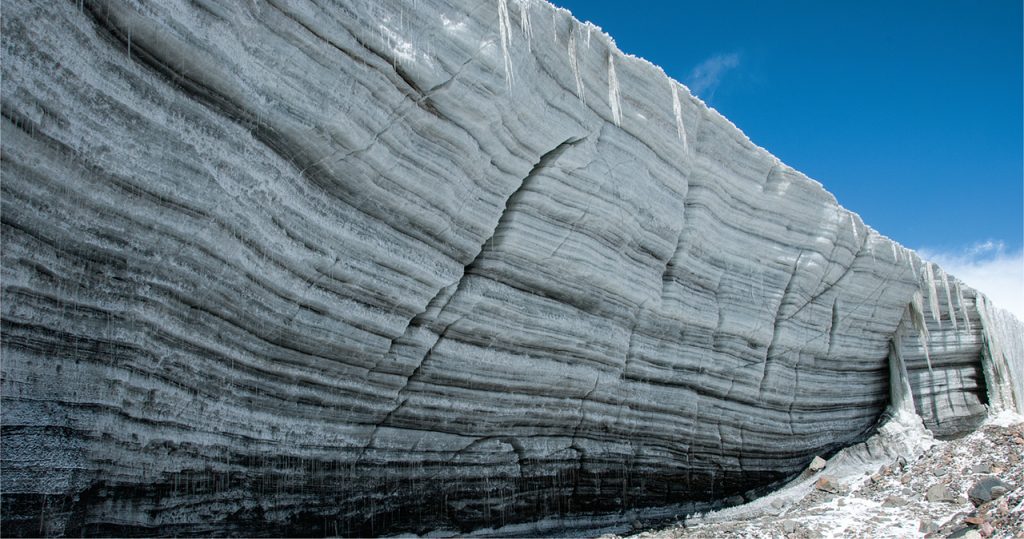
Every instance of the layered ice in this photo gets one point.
(359, 269)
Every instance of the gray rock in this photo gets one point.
(939, 493)
(986, 489)
(817, 464)
(981, 468)
(789, 526)
(894, 501)
(964, 533)
(927, 526)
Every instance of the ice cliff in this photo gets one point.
(371, 267)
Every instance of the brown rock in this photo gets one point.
(976, 521)
(1002, 507)
(827, 484)
(986, 529)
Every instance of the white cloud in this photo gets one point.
(988, 267)
(704, 78)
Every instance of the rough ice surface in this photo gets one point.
(294, 269)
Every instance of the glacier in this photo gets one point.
(365, 268)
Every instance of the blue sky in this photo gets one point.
(910, 112)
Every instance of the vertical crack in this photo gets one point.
(546, 160)
(777, 324)
(832, 326)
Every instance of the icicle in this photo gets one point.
(586, 40)
(949, 299)
(853, 224)
(901, 396)
(613, 90)
(554, 24)
(895, 253)
(677, 110)
(505, 29)
(933, 296)
(963, 310)
(575, 66)
(917, 318)
(1000, 359)
(524, 22)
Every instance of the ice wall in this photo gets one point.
(373, 267)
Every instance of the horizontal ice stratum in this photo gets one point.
(363, 268)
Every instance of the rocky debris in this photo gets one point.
(884, 504)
